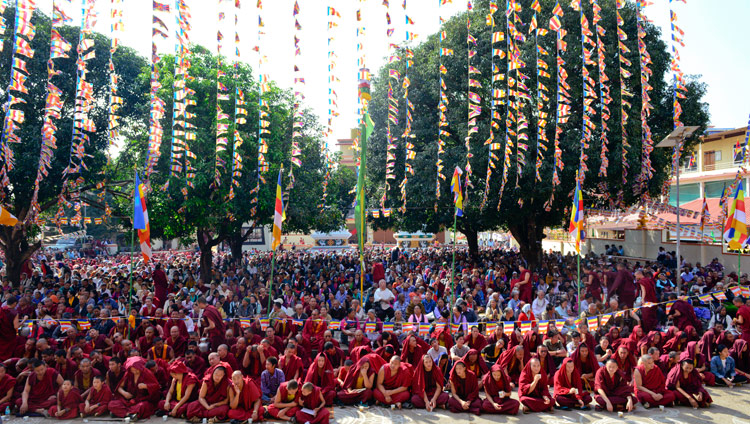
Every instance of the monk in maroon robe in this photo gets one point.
(513, 360)
(314, 331)
(360, 380)
(464, 390)
(476, 339)
(320, 373)
(569, 392)
(40, 392)
(533, 390)
(244, 399)
(683, 315)
(285, 406)
(427, 385)
(84, 377)
(647, 287)
(626, 362)
(9, 324)
(96, 402)
(743, 322)
(687, 385)
(68, 399)
(214, 327)
(311, 397)
(497, 389)
(291, 364)
(585, 362)
(137, 393)
(394, 380)
(7, 387)
(213, 398)
(414, 349)
(175, 321)
(177, 342)
(613, 392)
(650, 384)
(183, 389)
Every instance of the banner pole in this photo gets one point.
(453, 263)
(130, 277)
(270, 282)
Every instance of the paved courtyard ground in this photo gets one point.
(731, 406)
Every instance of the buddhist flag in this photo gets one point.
(140, 219)
(6, 218)
(458, 198)
(278, 214)
(704, 212)
(576, 218)
(508, 328)
(735, 229)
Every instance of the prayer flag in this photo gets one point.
(140, 219)
(735, 230)
(458, 198)
(278, 214)
(576, 218)
(508, 328)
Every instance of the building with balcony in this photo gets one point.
(713, 167)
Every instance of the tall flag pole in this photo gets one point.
(474, 99)
(497, 100)
(577, 231)
(458, 202)
(409, 153)
(735, 228)
(278, 219)
(443, 125)
(647, 170)
(393, 115)
(625, 105)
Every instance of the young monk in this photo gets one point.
(311, 398)
(138, 392)
(464, 390)
(182, 391)
(533, 391)
(650, 384)
(7, 387)
(68, 399)
(512, 361)
(39, 393)
(213, 398)
(497, 388)
(427, 386)
(97, 399)
(686, 383)
(284, 406)
(393, 383)
(320, 373)
(585, 362)
(360, 380)
(613, 393)
(244, 399)
(569, 391)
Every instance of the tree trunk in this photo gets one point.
(17, 251)
(235, 245)
(472, 239)
(529, 237)
(206, 244)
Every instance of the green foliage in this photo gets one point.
(524, 203)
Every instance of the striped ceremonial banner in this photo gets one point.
(300, 323)
(264, 324)
(335, 325)
(745, 291)
(245, 322)
(669, 306)
(706, 298)
(370, 327)
(424, 329)
(736, 290)
(525, 327)
(84, 324)
(65, 325)
(605, 319)
(543, 325)
(593, 323)
(454, 328)
(439, 326)
(408, 326)
(387, 326)
(720, 295)
(491, 327)
(559, 324)
(508, 328)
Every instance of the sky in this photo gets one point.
(715, 35)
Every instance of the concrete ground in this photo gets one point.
(731, 406)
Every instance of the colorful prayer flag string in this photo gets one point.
(240, 112)
(625, 105)
(605, 97)
(474, 99)
(647, 170)
(562, 97)
(299, 96)
(520, 91)
(182, 98)
(263, 114)
(393, 115)
(157, 106)
(409, 153)
(333, 108)
(542, 92)
(588, 93)
(510, 105)
(222, 94)
(444, 124)
(497, 99)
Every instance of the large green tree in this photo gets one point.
(20, 242)
(525, 209)
(207, 215)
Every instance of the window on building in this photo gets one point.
(710, 159)
(688, 193)
(713, 189)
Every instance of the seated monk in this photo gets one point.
(244, 399)
(585, 362)
(311, 397)
(626, 362)
(290, 363)
(97, 399)
(687, 385)
(497, 388)
(413, 350)
(40, 392)
(512, 362)
(285, 406)
(176, 341)
(68, 399)
(613, 393)
(650, 384)
(182, 390)
(84, 377)
(568, 390)
(213, 398)
(314, 329)
(360, 380)
(7, 387)
(427, 386)
(137, 393)
(533, 389)
(464, 390)
(393, 383)
(160, 350)
(476, 364)
(321, 375)
(701, 363)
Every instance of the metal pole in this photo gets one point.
(579, 284)
(453, 263)
(270, 282)
(132, 246)
(677, 252)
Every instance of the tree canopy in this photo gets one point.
(525, 209)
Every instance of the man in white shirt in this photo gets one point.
(385, 297)
(539, 305)
(436, 351)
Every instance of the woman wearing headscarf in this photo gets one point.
(414, 349)
(548, 365)
(311, 398)
(213, 398)
(533, 390)
(320, 373)
(464, 390)
(586, 363)
(427, 386)
(182, 391)
(360, 381)
(701, 364)
(613, 392)
(137, 393)
(687, 385)
(569, 391)
(513, 360)
(497, 389)
(650, 384)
